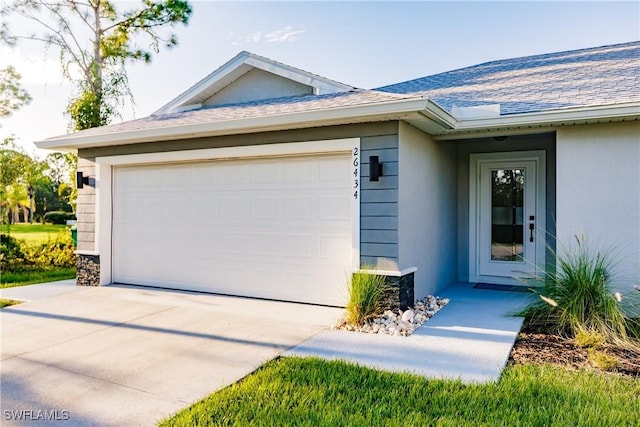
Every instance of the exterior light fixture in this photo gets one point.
(375, 168)
(81, 180)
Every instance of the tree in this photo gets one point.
(14, 164)
(17, 171)
(12, 96)
(15, 199)
(95, 40)
(52, 184)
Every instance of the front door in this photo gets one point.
(509, 216)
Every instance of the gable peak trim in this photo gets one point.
(238, 66)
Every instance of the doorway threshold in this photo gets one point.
(496, 287)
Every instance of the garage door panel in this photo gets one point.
(275, 228)
(233, 207)
(232, 174)
(299, 207)
(334, 247)
(333, 208)
(333, 172)
(204, 177)
(263, 174)
(298, 245)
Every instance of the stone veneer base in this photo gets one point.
(400, 292)
(88, 270)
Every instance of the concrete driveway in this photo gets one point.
(127, 356)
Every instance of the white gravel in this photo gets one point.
(399, 322)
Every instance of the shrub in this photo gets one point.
(18, 255)
(579, 296)
(58, 252)
(602, 360)
(589, 339)
(365, 293)
(11, 255)
(58, 217)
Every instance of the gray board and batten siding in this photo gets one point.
(378, 200)
(379, 204)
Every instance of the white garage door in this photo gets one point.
(276, 228)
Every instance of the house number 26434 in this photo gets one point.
(356, 172)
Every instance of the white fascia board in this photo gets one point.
(555, 117)
(323, 84)
(439, 115)
(245, 125)
(220, 73)
(238, 66)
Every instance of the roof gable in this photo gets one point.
(248, 78)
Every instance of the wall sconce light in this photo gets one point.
(375, 168)
(81, 180)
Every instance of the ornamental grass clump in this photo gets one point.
(365, 297)
(579, 297)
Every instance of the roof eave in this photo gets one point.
(421, 112)
(342, 115)
(536, 120)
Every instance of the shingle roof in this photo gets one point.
(251, 109)
(602, 76)
(581, 78)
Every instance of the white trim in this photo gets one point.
(390, 273)
(86, 252)
(238, 66)
(387, 110)
(355, 204)
(445, 126)
(531, 122)
(539, 156)
(281, 149)
(579, 114)
(106, 164)
(103, 225)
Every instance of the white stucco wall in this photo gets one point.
(598, 191)
(426, 210)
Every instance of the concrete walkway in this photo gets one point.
(469, 339)
(113, 356)
(127, 356)
(36, 292)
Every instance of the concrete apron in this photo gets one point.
(114, 356)
(470, 339)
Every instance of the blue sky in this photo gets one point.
(365, 44)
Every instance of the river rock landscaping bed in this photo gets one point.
(400, 323)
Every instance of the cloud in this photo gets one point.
(286, 34)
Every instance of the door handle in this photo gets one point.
(531, 227)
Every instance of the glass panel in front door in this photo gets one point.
(507, 214)
(507, 211)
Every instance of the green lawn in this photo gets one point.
(34, 233)
(22, 278)
(7, 302)
(311, 392)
